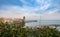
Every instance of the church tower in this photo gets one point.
(23, 21)
(24, 18)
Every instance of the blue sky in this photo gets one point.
(32, 9)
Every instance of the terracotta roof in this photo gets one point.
(8, 19)
(18, 19)
(1, 18)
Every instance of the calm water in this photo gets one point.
(39, 22)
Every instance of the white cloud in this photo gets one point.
(16, 11)
(45, 6)
(39, 1)
(30, 12)
(51, 15)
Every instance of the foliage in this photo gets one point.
(16, 30)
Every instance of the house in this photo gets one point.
(10, 20)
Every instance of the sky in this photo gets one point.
(31, 9)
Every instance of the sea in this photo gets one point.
(43, 22)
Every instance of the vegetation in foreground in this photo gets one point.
(17, 30)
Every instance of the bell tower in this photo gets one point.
(23, 21)
(23, 17)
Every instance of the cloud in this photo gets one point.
(31, 12)
(51, 15)
(39, 1)
(17, 11)
(45, 6)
